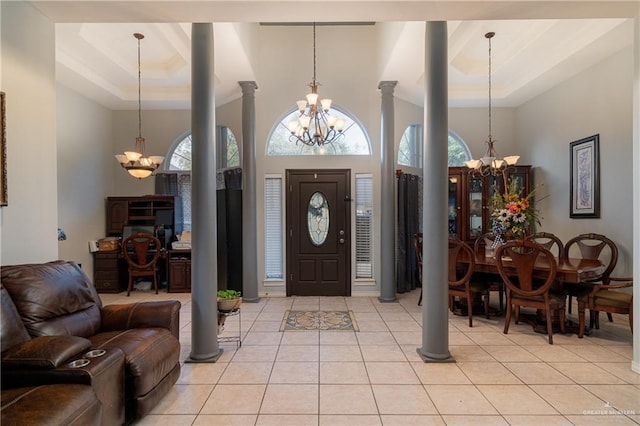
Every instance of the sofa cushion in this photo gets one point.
(55, 298)
(150, 354)
(12, 331)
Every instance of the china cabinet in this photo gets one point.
(469, 199)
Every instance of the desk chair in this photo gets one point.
(141, 251)
(525, 290)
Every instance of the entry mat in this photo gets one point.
(319, 320)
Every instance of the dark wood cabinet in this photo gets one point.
(148, 210)
(107, 273)
(469, 199)
(179, 265)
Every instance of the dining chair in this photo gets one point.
(417, 245)
(591, 246)
(142, 251)
(549, 241)
(515, 261)
(459, 275)
(606, 298)
(480, 245)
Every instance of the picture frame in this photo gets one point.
(3, 152)
(584, 155)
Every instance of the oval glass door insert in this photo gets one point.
(318, 218)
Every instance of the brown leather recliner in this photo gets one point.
(58, 299)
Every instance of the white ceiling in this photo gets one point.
(99, 60)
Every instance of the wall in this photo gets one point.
(84, 149)
(30, 220)
(597, 101)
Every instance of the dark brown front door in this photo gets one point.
(318, 232)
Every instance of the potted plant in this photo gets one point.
(229, 300)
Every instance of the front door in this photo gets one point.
(318, 232)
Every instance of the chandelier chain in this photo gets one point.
(489, 37)
(314, 53)
(139, 92)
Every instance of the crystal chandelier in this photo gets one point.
(491, 163)
(315, 126)
(136, 162)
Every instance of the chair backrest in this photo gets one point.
(141, 250)
(484, 240)
(548, 241)
(516, 259)
(417, 245)
(592, 247)
(460, 272)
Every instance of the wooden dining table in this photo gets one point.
(575, 271)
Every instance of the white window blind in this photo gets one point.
(273, 227)
(364, 226)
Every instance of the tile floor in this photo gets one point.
(375, 376)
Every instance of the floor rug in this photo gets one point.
(319, 320)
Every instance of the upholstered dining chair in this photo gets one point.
(591, 246)
(481, 244)
(142, 251)
(606, 298)
(459, 275)
(515, 261)
(549, 241)
(417, 245)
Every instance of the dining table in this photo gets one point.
(573, 271)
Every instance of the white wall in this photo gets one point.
(597, 101)
(30, 220)
(84, 132)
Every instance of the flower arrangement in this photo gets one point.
(512, 213)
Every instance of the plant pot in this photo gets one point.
(228, 305)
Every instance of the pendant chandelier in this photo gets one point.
(136, 162)
(491, 163)
(315, 126)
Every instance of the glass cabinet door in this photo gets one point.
(475, 208)
(453, 211)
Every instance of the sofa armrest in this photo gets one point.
(163, 314)
(45, 352)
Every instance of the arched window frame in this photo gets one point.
(353, 124)
(223, 133)
(411, 147)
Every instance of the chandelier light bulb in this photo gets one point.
(312, 98)
(326, 104)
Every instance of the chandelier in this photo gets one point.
(315, 126)
(136, 162)
(491, 163)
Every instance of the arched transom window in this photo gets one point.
(354, 141)
(411, 145)
(179, 157)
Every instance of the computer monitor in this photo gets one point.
(129, 230)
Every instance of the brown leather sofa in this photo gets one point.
(57, 302)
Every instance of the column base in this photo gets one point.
(251, 300)
(385, 300)
(436, 358)
(210, 359)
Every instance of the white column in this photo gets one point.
(204, 251)
(435, 289)
(635, 363)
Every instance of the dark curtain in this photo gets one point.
(167, 184)
(409, 214)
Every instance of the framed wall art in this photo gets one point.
(585, 178)
(3, 153)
